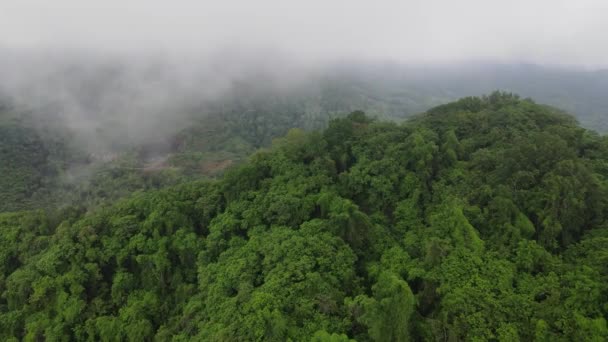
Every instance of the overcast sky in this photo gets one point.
(573, 32)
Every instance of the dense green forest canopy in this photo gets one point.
(483, 219)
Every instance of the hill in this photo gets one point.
(482, 219)
(116, 128)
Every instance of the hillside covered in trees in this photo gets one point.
(482, 219)
(89, 132)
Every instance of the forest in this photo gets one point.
(484, 219)
(86, 132)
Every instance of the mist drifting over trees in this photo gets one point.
(303, 171)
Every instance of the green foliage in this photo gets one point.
(483, 220)
(28, 163)
(387, 314)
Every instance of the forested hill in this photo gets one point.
(88, 132)
(483, 219)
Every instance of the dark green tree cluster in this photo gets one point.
(484, 219)
(30, 161)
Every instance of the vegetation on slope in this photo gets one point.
(202, 138)
(42, 168)
(30, 161)
(483, 219)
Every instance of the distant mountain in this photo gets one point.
(403, 90)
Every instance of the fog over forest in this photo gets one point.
(323, 171)
(136, 71)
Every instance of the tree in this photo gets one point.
(388, 313)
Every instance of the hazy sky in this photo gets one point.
(540, 31)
